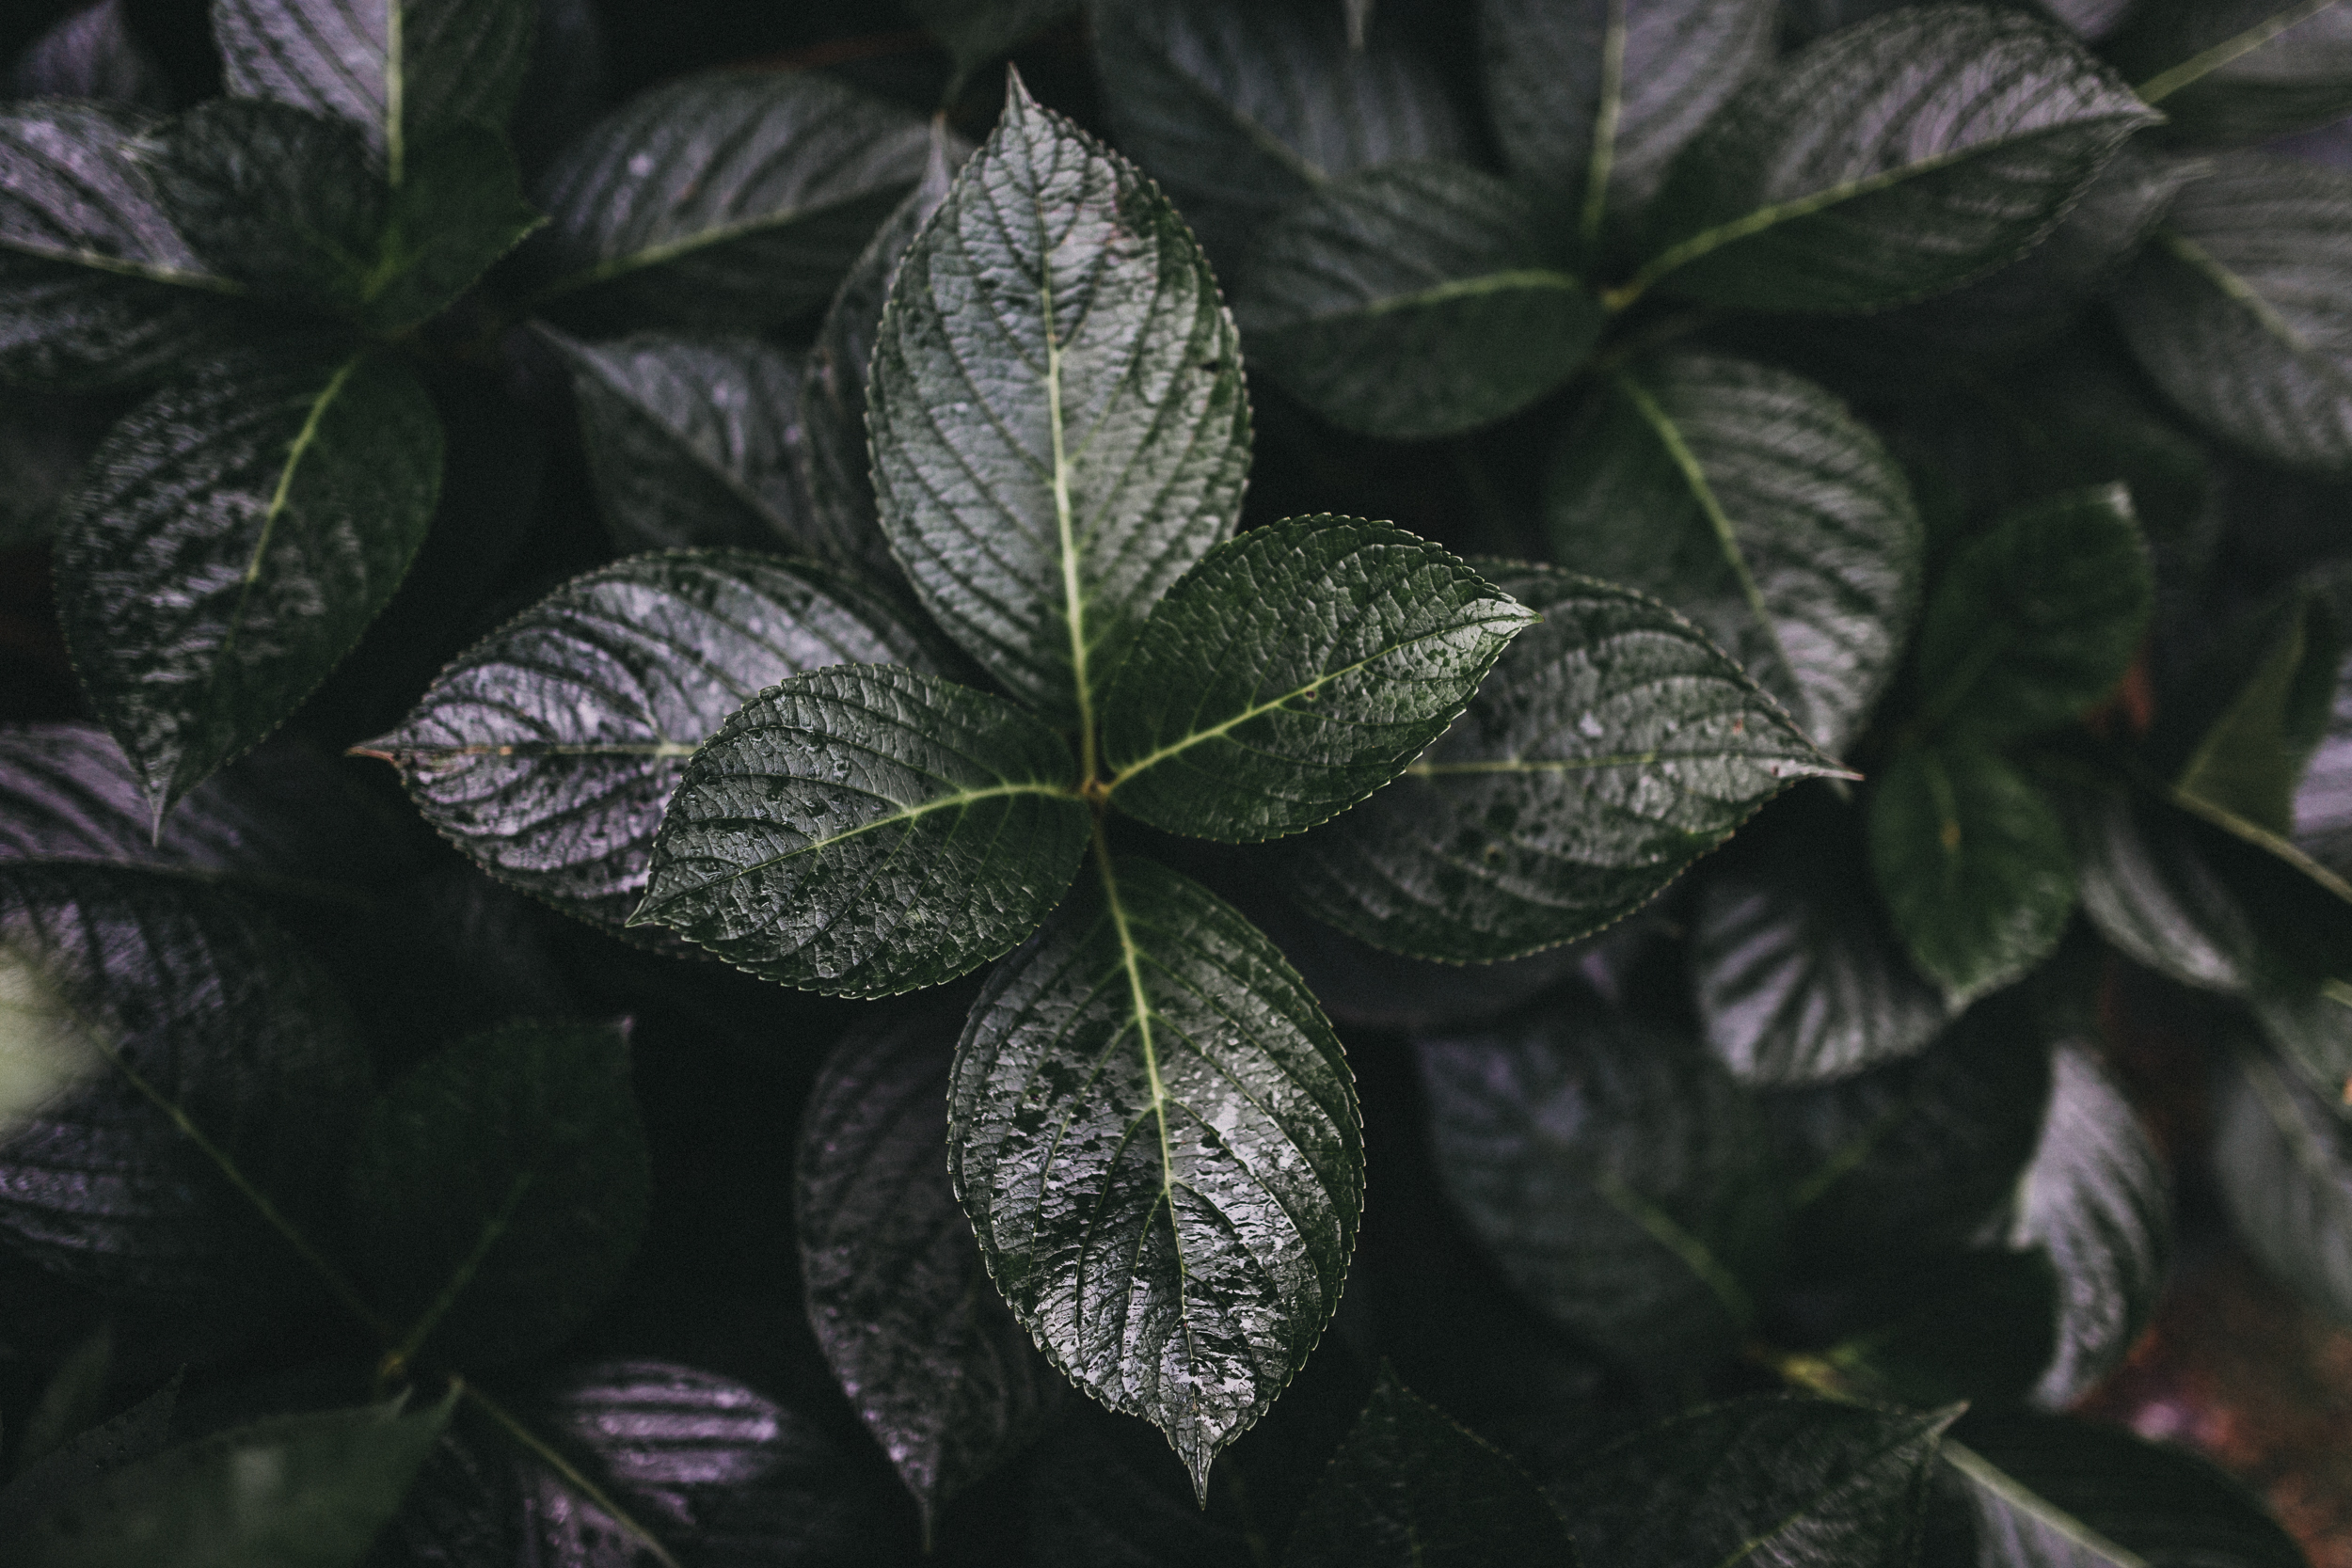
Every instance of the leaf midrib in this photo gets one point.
(99, 261)
(662, 254)
(2228, 52)
(1507, 280)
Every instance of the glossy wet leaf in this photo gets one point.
(727, 202)
(1770, 516)
(499, 1189)
(1058, 423)
(2233, 309)
(2283, 1154)
(1156, 1137)
(1890, 160)
(1413, 300)
(1410, 1488)
(1611, 746)
(2240, 70)
(549, 750)
(867, 830)
(945, 1379)
(1240, 108)
(1294, 671)
(1615, 1172)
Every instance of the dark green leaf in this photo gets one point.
(499, 1189)
(2249, 759)
(2283, 1154)
(1611, 746)
(2235, 309)
(868, 829)
(2240, 70)
(1888, 162)
(1292, 672)
(117, 979)
(1766, 1478)
(1413, 300)
(1973, 863)
(2152, 896)
(70, 1399)
(1410, 1488)
(460, 209)
(306, 1491)
(1768, 515)
(234, 537)
(941, 1374)
(2039, 618)
(1156, 1136)
(1239, 107)
(44, 441)
(692, 440)
(1618, 1175)
(1042, 508)
(978, 31)
(82, 1458)
(727, 202)
(1592, 100)
(1797, 974)
(549, 750)
(404, 70)
(92, 53)
(1980, 1325)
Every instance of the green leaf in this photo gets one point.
(941, 1374)
(1412, 301)
(404, 71)
(137, 1432)
(1617, 1174)
(1798, 979)
(549, 750)
(692, 440)
(1156, 1137)
(307, 1491)
(724, 202)
(1611, 746)
(2240, 70)
(1765, 1478)
(2068, 1493)
(2098, 1199)
(978, 31)
(2283, 1155)
(1973, 866)
(1409, 1489)
(1294, 671)
(2037, 619)
(1239, 108)
(1770, 516)
(1592, 100)
(2233, 309)
(1888, 162)
(97, 286)
(233, 537)
(1043, 508)
(868, 829)
(499, 1189)
(2249, 760)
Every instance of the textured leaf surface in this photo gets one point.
(1778, 1480)
(1058, 423)
(2240, 70)
(1768, 515)
(1156, 1138)
(1240, 108)
(1413, 300)
(693, 440)
(404, 69)
(1973, 863)
(1611, 746)
(1888, 162)
(233, 537)
(1410, 1488)
(868, 829)
(2284, 1158)
(2037, 619)
(549, 750)
(1294, 670)
(2235, 312)
(725, 201)
(499, 1189)
(1616, 1173)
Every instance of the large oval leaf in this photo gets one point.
(1890, 160)
(2284, 1158)
(548, 752)
(1236, 717)
(1613, 746)
(868, 829)
(1058, 423)
(1754, 502)
(1156, 1136)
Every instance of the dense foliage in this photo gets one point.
(576, 598)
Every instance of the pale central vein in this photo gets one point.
(1073, 594)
